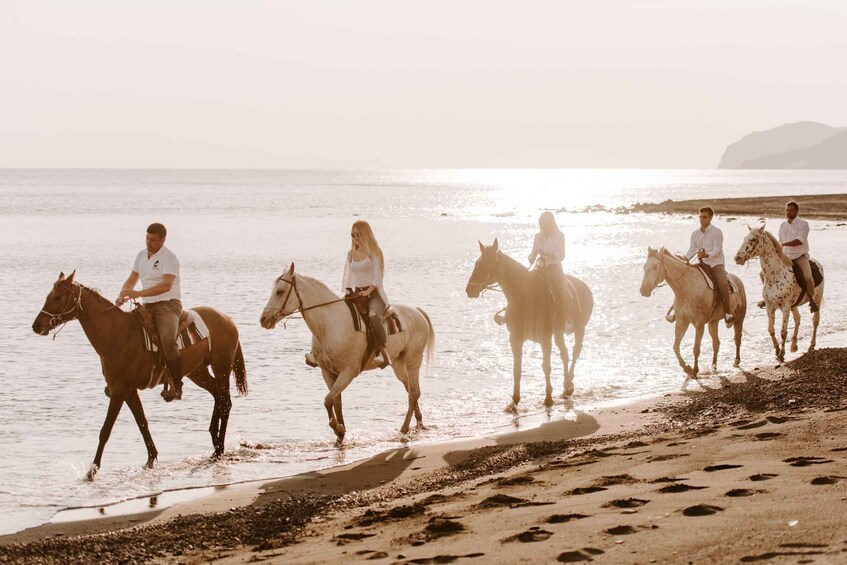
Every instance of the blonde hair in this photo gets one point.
(368, 242)
(548, 218)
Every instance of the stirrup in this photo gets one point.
(500, 318)
(761, 304)
(386, 359)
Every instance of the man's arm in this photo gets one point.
(154, 290)
(130, 283)
(802, 237)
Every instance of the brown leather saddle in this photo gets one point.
(145, 318)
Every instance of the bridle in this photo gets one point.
(292, 285)
(664, 270)
(493, 285)
(73, 304)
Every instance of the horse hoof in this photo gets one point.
(420, 426)
(737, 363)
(340, 431)
(512, 408)
(548, 402)
(92, 472)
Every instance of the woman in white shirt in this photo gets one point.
(548, 252)
(363, 273)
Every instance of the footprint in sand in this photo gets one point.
(767, 436)
(578, 555)
(724, 467)
(621, 531)
(736, 492)
(562, 518)
(678, 488)
(586, 490)
(839, 449)
(342, 539)
(514, 481)
(762, 477)
(612, 480)
(827, 480)
(533, 534)
(443, 558)
(701, 510)
(676, 443)
(779, 419)
(626, 503)
(752, 425)
(806, 461)
(667, 480)
(499, 500)
(769, 556)
(658, 458)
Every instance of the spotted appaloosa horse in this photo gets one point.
(127, 366)
(781, 289)
(694, 304)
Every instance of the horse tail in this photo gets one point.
(430, 341)
(240, 371)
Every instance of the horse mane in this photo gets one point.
(513, 263)
(664, 251)
(777, 246)
(95, 292)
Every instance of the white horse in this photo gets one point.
(781, 290)
(338, 348)
(694, 304)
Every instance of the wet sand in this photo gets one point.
(747, 469)
(815, 207)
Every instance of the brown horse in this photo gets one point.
(528, 314)
(127, 366)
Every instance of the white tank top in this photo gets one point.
(362, 272)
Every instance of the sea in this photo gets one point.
(235, 231)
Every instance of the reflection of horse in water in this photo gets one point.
(781, 290)
(339, 349)
(529, 314)
(118, 339)
(695, 303)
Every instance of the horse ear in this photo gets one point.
(290, 269)
(61, 276)
(71, 277)
(481, 246)
(495, 245)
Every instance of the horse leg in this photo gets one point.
(772, 330)
(783, 333)
(333, 414)
(341, 382)
(517, 360)
(679, 331)
(737, 328)
(410, 377)
(795, 313)
(567, 389)
(578, 336)
(716, 343)
(116, 402)
(203, 378)
(547, 367)
(816, 317)
(698, 340)
(134, 403)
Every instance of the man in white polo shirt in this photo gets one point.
(707, 243)
(794, 237)
(158, 269)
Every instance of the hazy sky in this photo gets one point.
(409, 84)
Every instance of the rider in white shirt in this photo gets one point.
(794, 237)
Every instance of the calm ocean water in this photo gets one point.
(235, 231)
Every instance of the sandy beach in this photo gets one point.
(812, 207)
(750, 469)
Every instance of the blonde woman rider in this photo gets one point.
(363, 274)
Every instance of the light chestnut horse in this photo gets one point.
(338, 348)
(127, 366)
(694, 304)
(781, 290)
(528, 314)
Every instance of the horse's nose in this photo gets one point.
(644, 292)
(472, 291)
(36, 327)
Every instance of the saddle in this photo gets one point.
(362, 323)
(191, 329)
(817, 278)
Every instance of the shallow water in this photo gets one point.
(235, 231)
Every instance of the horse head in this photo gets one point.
(283, 301)
(485, 271)
(752, 246)
(61, 305)
(654, 271)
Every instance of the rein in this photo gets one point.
(292, 285)
(495, 284)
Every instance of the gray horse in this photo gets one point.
(338, 348)
(694, 304)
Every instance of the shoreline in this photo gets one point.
(831, 207)
(667, 480)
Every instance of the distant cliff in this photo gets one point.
(802, 145)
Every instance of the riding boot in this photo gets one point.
(813, 306)
(386, 358)
(175, 369)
